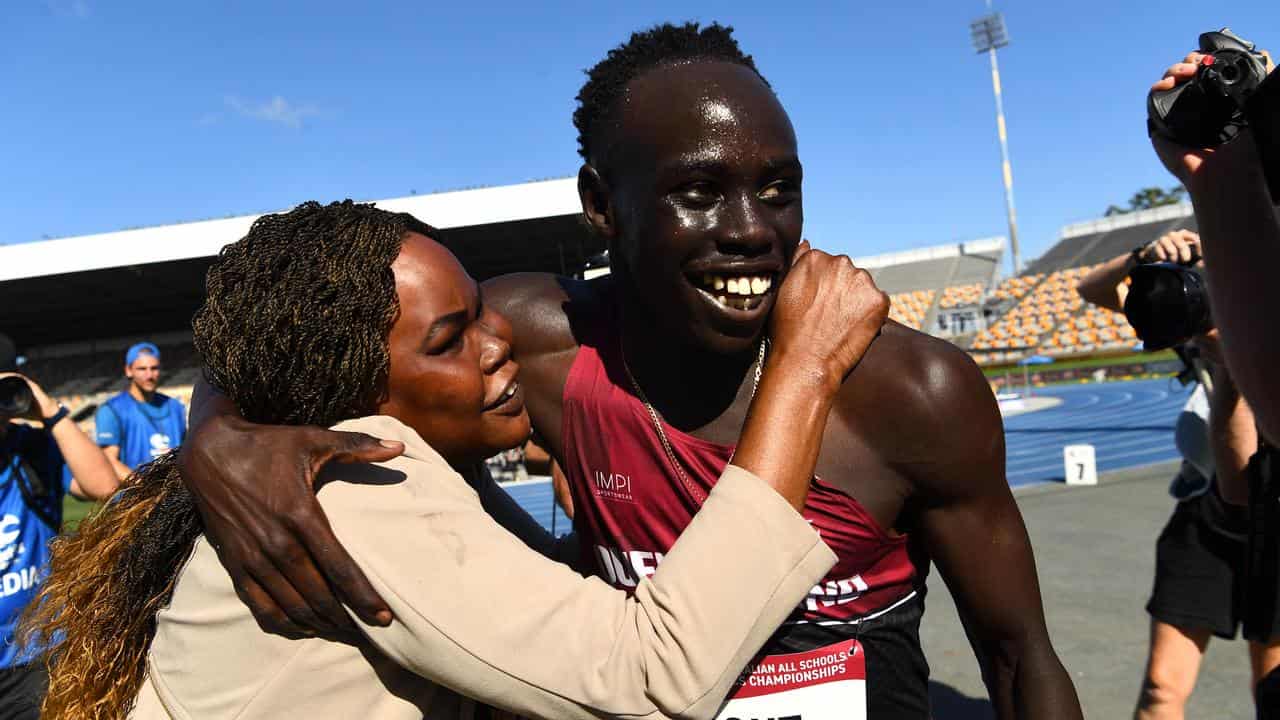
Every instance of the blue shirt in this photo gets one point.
(24, 534)
(143, 430)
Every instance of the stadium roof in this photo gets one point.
(184, 241)
(933, 268)
(1128, 219)
(1095, 241)
(151, 280)
(985, 246)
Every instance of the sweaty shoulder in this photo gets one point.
(544, 309)
(921, 402)
(550, 316)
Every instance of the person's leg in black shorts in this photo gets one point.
(1199, 561)
(22, 689)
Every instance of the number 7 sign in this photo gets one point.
(1079, 465)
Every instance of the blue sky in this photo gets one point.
(123, 114)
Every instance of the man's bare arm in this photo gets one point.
(1242, 245)
(92, 477)
(1233, 435)
(966, 516)
(1241, 232)
(113, 456)
(253, 485)
(536, 306)
(1105, 287)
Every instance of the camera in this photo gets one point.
(1231, 90)
(16, 399)
(1168, 303)
(1210, 109)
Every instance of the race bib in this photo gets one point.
(829, 683)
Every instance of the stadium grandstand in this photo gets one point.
(1039, 310)
(924, 283)
(117, 288)
(73, 305)
(955, 291)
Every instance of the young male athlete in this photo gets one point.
(640, 381)
(141, 423)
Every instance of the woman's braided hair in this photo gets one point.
(294, 331)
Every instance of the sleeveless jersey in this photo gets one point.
(142, 430)
(630, 505)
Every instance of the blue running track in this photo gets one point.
(536, 497)
(1128, 423)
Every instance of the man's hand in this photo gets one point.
(254, 486)
(92, 477)
(1184, 162)
(1179, 246)
(43, 407)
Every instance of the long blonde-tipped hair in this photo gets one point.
(294, 330)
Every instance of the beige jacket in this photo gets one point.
(480, 615)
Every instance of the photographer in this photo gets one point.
(1241, 231)
(38, 465)
(1214, 120)
(1106, 286)
(1200, 554)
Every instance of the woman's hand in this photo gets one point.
(828, 312)
(826, 315)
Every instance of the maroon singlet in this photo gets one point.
(630, 505)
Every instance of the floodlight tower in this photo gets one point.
(988, 33)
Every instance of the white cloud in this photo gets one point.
(276, 110)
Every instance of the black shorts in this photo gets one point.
(897, 672)
(1200, 566)
(22, 689)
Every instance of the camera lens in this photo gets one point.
(1167, 304)
(1231, 74)
(15, 397)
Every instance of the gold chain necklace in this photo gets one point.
(696, 492)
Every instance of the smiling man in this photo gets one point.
(639, 382)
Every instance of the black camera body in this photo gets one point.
(1167, 304)
(1210, 109)
(1231, 90)
(16, 399)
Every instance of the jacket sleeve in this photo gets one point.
(479, 612)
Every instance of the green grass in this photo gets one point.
(1090, 362)
(73, 511)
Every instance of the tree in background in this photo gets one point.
(1150, 197)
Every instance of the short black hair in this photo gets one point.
(661, 45)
